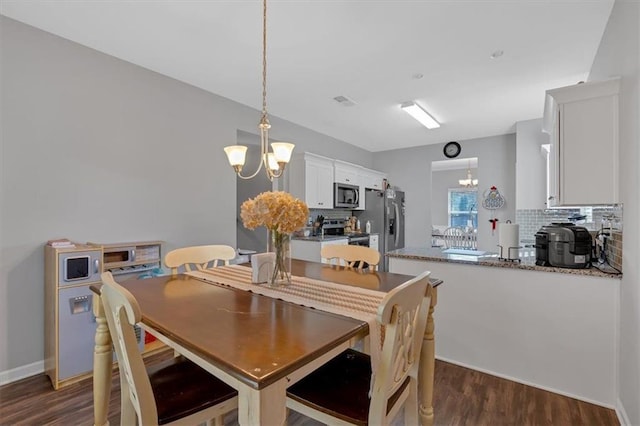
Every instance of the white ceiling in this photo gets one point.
(368, 51)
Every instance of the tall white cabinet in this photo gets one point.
(583, 162)
(311, 180)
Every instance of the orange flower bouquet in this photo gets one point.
(281, 213)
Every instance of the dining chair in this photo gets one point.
(455, 237)
(198, 257)
(353, 256)
(176, 391)
(338, 392)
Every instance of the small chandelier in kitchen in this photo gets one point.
(273, 162)
(469, 182)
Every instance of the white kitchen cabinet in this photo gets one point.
(372, 179)
(344, 172)
(311, 180)
(583, 160)
(310, 249)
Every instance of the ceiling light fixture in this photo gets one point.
(417, 112)
(273, 162)
(469, 182)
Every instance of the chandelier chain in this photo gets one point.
(273, 162)
(264, 60)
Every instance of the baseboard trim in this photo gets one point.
(622, 414)
(13, 375)
(524, 382)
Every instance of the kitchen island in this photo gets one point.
(474, 257)
(552, 328)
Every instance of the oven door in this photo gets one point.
(359, 241)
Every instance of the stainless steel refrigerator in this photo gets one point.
(385, 211)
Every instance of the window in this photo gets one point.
(463, 207)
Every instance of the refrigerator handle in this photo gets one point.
(397, 234)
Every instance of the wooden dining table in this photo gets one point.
(259, 345)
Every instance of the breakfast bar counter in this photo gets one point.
(552, 328)
(475, 257)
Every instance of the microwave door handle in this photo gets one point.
(96, 266)
(133, 255)
(357, 202)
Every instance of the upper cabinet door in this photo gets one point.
(346, 173)
(319, 185)
(311, 180)
(584, 144)
(372, 179)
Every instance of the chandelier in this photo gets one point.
(469, 182)
(273, 162)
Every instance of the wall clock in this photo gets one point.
(452, 149)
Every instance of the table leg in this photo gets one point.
(266, 406)
(102, 365)
(426, 374)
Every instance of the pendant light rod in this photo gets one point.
(273, 162)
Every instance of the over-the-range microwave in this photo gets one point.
(345, 196)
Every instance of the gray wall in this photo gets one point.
(441, 181)
(410, 170)
(249, 188)
(531, 165)
(619, 55)
(97, 149)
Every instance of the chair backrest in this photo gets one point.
(122, 312)
(353, 256)
(455, 237)
(403, 313)
(198, 257)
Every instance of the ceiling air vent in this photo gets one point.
(344, 101)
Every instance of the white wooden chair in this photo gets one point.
(455, 237)
(198, 257)
(352, 256)
(176, 391)
(338, 392)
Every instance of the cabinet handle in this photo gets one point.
(551, 198)
(347, 180)
(321, 204)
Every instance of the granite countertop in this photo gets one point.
(527, 260)
(321, 238)
(329, 237)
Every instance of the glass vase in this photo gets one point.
(280, 244)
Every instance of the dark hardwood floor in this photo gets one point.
(462, 397)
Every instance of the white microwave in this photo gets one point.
(79, 267)
(346, 196)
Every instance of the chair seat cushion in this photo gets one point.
(339, 388)
(182, 388)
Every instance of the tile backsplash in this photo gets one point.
(597, 218)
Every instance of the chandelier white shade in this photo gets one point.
(273, 162)
(417, 112)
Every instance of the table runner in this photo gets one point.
(354, 302)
